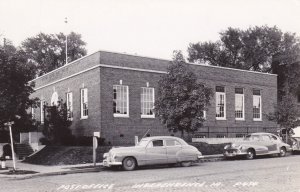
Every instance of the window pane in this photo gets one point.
(239, 105)
(120, 99)
(147, 101)
(157, 143)
(84, 102)
(220, 105)
(256, 107)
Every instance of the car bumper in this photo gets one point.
(107, 163)
(200, 157)
(233, 153)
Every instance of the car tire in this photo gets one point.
(282, 152)
(250, 154)
(129, 164)
(186, 163)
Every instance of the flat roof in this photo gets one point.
(136, 55)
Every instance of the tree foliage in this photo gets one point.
(15, 73)
(47, 51)
(182, 98)
(264, 49)
(56, 126)
(256, 48)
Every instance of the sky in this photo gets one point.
(153, 28)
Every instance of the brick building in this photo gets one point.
(114, 93)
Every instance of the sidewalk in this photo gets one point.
(43, 170)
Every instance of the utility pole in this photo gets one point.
(9, 124)
(66, 22)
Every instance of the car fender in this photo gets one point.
(187, 154)
(257, 148)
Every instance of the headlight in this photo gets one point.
(105, 155)
(294, 143)
(226, 146)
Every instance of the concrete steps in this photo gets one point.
(23, 150)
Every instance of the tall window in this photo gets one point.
(54, 99)
(42, 107)
(147, 102)
(239, 104)
(121, 101)
(257, 105)
(70, 105)
(84, 103)
(32, 112)
(220, 103)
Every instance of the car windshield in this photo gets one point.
(251, 138)
(143, 143)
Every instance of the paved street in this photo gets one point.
(263, 174)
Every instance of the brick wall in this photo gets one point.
(47, 85)
(118, 130)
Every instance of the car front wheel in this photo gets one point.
(129, 164)
(250, 154)
(282, 152)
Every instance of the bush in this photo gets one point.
(7, 150)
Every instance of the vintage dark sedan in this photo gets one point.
(151, 151)
(257, 144)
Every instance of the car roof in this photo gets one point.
(161, 137)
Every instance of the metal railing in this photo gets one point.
(223, 132)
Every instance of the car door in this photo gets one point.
(173, 147)
(276, 141)
(272, 146)
(156, 152)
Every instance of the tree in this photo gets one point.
(182, 99)
(257, 49)
(15, 73)
(47, 51)
(56, 126)
(286, 114)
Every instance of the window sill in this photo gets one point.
(257, 119)
(85, 117)
(221, 119)
(121, 115)
(240, 119)
(147, 116)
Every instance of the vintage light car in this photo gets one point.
(151, 151)
(256, 144)
(294, 139)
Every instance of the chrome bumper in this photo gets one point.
(200, 157)
(233, 153)
(107, 163)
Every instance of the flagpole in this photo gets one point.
(66, 21)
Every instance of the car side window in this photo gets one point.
(265, 138)
(171, 142)
(157, 143)
(273, 138)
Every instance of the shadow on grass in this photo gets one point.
(19, 172)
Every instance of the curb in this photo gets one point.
(99, 168)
